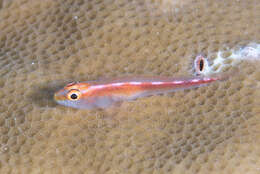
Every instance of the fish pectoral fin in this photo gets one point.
(113, 112)
(117, 104)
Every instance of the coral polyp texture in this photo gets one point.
(47, 44)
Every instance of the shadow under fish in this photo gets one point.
(42, 95)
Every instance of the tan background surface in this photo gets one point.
(46, 44)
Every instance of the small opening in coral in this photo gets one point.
(200, 64)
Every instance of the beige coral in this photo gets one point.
(45, 44)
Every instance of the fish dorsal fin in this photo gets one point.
(77, 85)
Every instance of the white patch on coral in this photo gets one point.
(250, 52)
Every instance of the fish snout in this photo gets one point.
(59, 96)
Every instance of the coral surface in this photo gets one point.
(45, 44)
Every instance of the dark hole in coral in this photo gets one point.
(201, 64)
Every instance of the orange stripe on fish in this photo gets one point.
(102, 94)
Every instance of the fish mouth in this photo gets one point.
(59, 99)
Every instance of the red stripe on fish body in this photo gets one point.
(100, 94)
(129, 88)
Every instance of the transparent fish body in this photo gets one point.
(106, 92)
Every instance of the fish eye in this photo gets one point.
(74, 94)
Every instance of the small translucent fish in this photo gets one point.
(104, 93)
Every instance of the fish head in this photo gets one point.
(73, 95)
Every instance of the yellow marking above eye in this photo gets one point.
(74, 94)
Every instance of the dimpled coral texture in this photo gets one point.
(46, 44)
